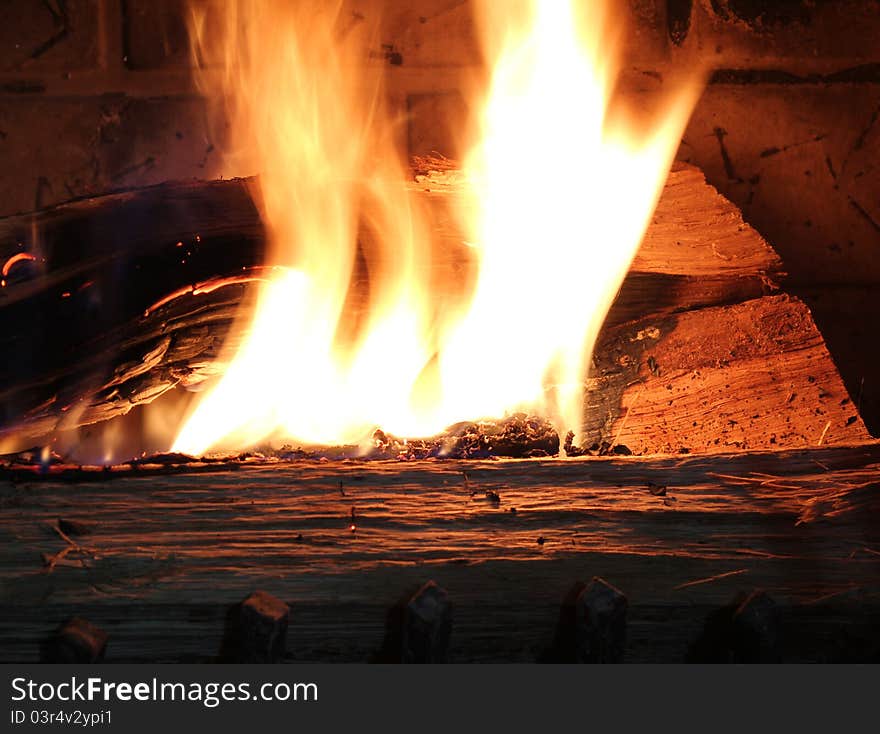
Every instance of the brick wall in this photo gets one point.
(96, 94)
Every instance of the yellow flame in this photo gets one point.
(560, 188)
(564, 191)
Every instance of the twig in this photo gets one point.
(50, 564)
(822, 437)
(64, 536)
(711, 578)
(72, 547)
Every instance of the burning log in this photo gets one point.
(77, 317)
(700, 352)
(697, 251)
(754, 375)
(696, 355)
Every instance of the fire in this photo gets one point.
(561, 185)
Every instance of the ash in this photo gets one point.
(519, 436)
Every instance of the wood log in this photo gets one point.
(133, 294)
(168, 554)
(74, 319)
(699, 353)
(754, 375)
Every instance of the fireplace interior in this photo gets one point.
(717, 500)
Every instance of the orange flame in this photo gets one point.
(559, 189)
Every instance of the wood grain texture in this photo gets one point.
(167, 555)
(754, 375)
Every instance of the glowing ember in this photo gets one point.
(12, 261)
(561, 185)
(209, 286)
